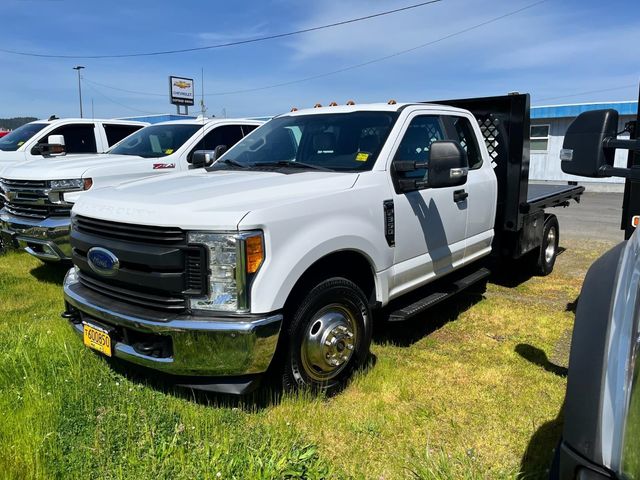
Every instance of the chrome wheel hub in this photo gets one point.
(550, 251)
(328, 343)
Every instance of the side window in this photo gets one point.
(416, 143)
(115, 133)
(539, 138)
(462, 132)
(247, 129)
(227, 135)
(78, 138)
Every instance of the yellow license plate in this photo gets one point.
(97, 339)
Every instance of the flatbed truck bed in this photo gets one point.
(542, 196)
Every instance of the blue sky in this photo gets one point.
(554, 51)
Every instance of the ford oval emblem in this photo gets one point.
(103, 262)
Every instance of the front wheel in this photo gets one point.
(328, 337)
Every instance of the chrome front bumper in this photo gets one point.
(200, 345)
(46, 239)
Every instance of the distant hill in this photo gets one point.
(13, 123)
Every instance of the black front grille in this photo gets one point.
(128, 232)
(195, 269)
(157, 267)
(134, 297)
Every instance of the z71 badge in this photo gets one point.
(160, 166)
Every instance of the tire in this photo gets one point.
(548, 252)
(328, 337)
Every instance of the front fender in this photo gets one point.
(294, 243)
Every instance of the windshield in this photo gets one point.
(335, 142)
(155, 141)
(14, 140)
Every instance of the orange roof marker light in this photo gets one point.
(333, 104)
(391, 102)
(317, 105)
(350, 102)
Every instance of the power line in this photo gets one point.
(350, 67)
(118, 89)
(118, 103)
(227, 44)
(622, 87)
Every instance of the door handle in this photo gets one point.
(460, 196)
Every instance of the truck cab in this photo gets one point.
(39, 194)
(292, 239)
(73, 136)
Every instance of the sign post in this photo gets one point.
(181, 92)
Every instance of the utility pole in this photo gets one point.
(78, 68)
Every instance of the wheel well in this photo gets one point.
(348, 264)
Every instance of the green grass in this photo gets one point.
(474, 391)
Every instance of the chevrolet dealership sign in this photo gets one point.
(181, 90)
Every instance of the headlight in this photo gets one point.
(70, 185)
(60, 188)
(233, 261)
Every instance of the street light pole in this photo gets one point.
(78, 68)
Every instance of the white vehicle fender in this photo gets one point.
(290, 253)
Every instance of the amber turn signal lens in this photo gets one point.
(87, 183)
(255, 253)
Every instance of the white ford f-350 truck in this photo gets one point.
(39, 194)
(63, 136)
(277, 255)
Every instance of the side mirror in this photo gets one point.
(584, 151)
(205, 158)
(448, 165)
(55, 146)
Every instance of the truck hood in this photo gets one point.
(206, 200)
(9, 158)
(65, 167)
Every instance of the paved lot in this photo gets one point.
(597, 217)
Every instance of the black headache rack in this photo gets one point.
(504, 121)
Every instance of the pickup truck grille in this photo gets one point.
(30, 199)
(158, 269)
(36, 212)
(131, 233)
(142, 299)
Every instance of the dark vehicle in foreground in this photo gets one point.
(602, 409)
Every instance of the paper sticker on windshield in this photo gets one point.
(20, 144)
(362, 157)
(161, 166)
(168, 151)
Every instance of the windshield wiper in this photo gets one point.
(292, 164)
(231, 161)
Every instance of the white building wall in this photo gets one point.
(546, 165)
